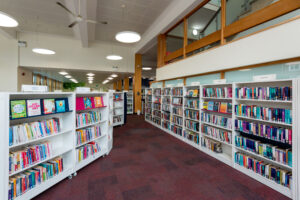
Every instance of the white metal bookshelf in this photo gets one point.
(156, 106)
(177, 125)
(103, 123)
(227, 155)
(148, 104)
(118, 108)
(130, 102)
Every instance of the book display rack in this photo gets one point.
(118, 108)
(130, 102)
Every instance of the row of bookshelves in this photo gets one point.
(249, 126)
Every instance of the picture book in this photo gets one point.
(210, 105)
(88, 104)
(61, 105)
(223, 107)
(18, 109)
(205, 105)
(98, 101)
(34, 107)
(79, 103)
(48, 106)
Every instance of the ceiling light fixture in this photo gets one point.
(90, 82)
(110, 78)
(195, 32)
(114, 75)
(114, 57)
(43, 51)
(128, 37)
(63, 73)
(90, 74)
(68, 76)
(7, 21)
(244, 70)
(147, 68)
(74, 80)
(90, 78)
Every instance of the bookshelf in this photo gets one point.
(156, 106)
(95, 131)
(166, 109)
(222, 132)
(59, 143)
(118, 108)
(130, 102)
(148, 104)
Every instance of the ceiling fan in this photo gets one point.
(79, 18)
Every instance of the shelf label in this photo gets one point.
(34, 88)
(195, 83)
(180, 84)
(83, 89)
(268, 77)
(170, 85)
(219, 81)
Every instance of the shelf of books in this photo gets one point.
(118, 108)
(216, 121)
(148, 104)
(250, 126)
(130, 102)
(156, 106)
(37, 142)
(92, 122)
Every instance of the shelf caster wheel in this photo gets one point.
(75, 174)
(70, 177)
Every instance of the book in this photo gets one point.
(98, 102)
(61, 105)
(34, 107)
(88, 103)
(223, 107)
(48, 106)
(18, 109)
(79, 103)
(210, 105)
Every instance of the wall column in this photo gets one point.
(115, 85)
(126, 84)
(137, 83)
(119, 85)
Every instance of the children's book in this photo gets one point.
(61, 105)
(223, 107)
(98, 102)
(34, 107)
(18, 109)
(48, 106)
(88, 103)
(210, 105)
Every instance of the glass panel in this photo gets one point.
(174, 39)
(238, 9)
(205, 21)
(204, 48)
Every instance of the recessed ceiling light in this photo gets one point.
(129, 77)
(90, 74)
(43, 51)
(90, 78)
(146, 68)
(195, 32)
(128, 37)
(114, 75)
(110, 78)
(104, 82)
(90, 82)
(114, 57)
(63, 73)
(74, 80)
(68, 76)
(244, 70)
(7, 21)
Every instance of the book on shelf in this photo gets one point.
(177, 101)
(87, 118)
(192, 114)
(34, 107)
(117, 97)
(61, 105)
(211, 145)
(266, 170)
(191, 125)
(192, 93)
(177, 120)
(87, 150)
(265, 93)
(193, 104)
(225, 122)
(88, 134)
(98, 102)
(192, 136)
(18, 109)
(222, 107)
(225, 92)
(176, 129)
(29, 131)
(48, 106)
(219, 134)
(29, 179)
(177, 111)
(177, 92)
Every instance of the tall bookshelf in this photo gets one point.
(95, 131)
(166, 109)
(177, 117)
(156, 106)
(118, 108)
(130, 102)
(148, 104)
(221, 128)
(61, 141)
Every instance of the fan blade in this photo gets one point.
(73, 24)
(65, 8)
(95, 22)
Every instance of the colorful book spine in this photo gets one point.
(264, 113)
(156, 113)
(221, 107)
(156, 106)
(87, 118)
(269, 151)
(268, 171)
(176, 129)
(192, 93)
(192, 114)
(192, 136)
(279, 134)
(157, 92)
(166, 108)
(177, 92)
(166, 116)
(265, 93)
(87, 134)
(23, 182)
(225, 92)
(157, 100)
(211, 145)
(24, 158)
(30, 131)
(166, 100)
(148, 117)
(117, 119)
(218, 120)
(148, 110)
(148, 98)
(156, 120)
(166, 91)
(177, 101)
(166, 125)
(219, 134)
(177, 120)
(87, 150)
(192, 103)
(192, 125)
(177, 111)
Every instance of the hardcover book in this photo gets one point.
(98, 102)
(210, 105)
(223, 107)
(61, 105)
(34, 107)
(87, 103)
(48, 106)
(18, 109)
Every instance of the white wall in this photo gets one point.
(8, 64)
(70, 54)
(281, 42)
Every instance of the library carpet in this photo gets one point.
(147, 163)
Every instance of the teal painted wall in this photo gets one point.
(174, 82)
(157, 85)
(206, 79)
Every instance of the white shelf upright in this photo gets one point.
(118, 108)
(130, 102)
